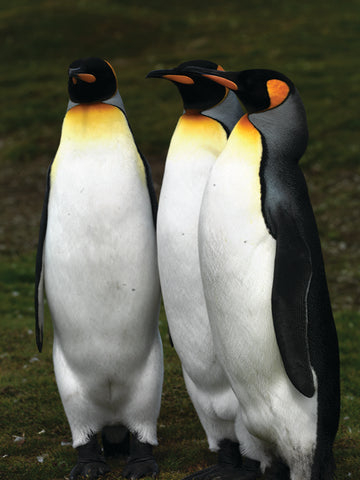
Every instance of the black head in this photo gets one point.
(91, 80)
(258, 90)
(198, 93)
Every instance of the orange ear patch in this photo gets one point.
(278, 92)
(86, 77)
(111, 67)
(180, 79)
(222, 81)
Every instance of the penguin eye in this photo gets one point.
(278, 92)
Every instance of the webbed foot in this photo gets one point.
(89, 471)
(277, 471)
(230, 466)
(91, 464)
(141, 462)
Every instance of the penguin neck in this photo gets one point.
(191, 112)
(284, 128)
(245, 143)
(227, 112)
(115, 100)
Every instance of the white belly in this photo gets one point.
(237, 256)
(237, 263)
(195, 146)
(100, 260)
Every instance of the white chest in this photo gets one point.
(237, 252)
(100, 241)
(196, 143)
(98, 188)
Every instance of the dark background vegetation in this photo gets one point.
(315, 43)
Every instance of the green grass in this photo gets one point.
(315, 43)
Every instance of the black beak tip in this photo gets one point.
(155, 74)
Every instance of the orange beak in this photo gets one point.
(180, 79)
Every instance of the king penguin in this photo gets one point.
(210, 113)
(97, 260)
(264, 281)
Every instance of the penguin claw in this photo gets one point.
(89, 471)
(231, 465)
(140, 468)
(91, 464)
(220, 472)
(141, 462)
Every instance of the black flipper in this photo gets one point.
(149, 181)
(150, 185)
(289, 217)
(292, 278)
(39, 270)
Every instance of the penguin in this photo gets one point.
(97, 261)
(264, 280)
(210, 113)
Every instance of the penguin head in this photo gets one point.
(198, 92)
(272, 102)
(91, 80)
(258, 89)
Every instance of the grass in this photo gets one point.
(314, 43)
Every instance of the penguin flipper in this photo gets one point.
(150, 186)
(39, 270)
(149, 181)
(291, 283)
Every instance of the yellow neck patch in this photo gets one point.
(89, 123)
(244, 151)
(196, 133)
(248, 137)
(199, 127)
(96, 129)
(278, 92)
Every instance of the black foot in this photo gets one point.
(230, 466)
(89, 471)
(277, 471)
(218, 472)
(91, 464)
(113, 446)
(141, 462)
